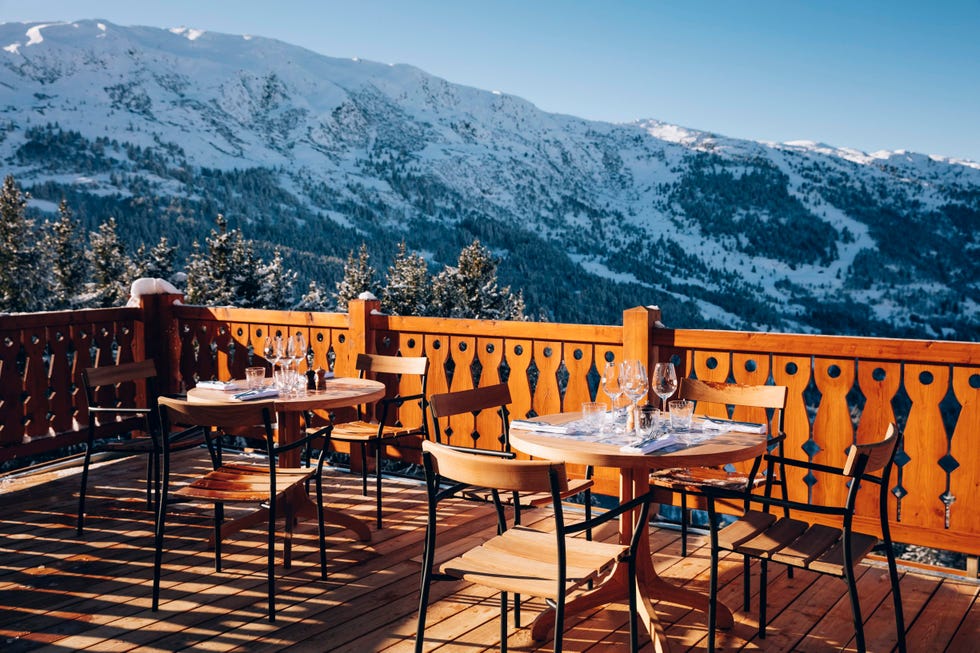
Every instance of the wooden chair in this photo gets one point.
(814, 546)
(521, 560)
(264, 483)
(752, 403)
(107, 418)
(496, 397)
(378, 433)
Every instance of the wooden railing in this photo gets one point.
(842, 390)
(42, 405)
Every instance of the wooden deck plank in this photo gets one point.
(59, 592)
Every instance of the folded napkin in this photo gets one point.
(221, 385)
(651, 444)
(542, 427)
(262, 393)
(729, 425)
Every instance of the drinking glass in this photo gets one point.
(634, 382)
(296, 352)
(611, 384)
(254, 377)
(664, 381)
(681, 414)
(593, 415)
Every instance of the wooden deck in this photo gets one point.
(61, 593)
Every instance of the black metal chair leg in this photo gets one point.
(80, 524)
(379, 452)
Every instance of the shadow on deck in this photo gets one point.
(61, 593)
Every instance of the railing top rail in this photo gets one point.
(597, 334)
(15, 321)
(866, 348)
(260, 316)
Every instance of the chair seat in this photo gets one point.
(240, 482)
(145, 445)
(793, 542)
(366, 431)
(524, 561)
(689, 480)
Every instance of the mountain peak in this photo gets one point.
(724, 231)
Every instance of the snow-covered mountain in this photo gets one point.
(166, 128)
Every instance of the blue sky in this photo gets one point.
(865, 74)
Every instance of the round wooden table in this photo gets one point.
(634, 470)
(338, 393)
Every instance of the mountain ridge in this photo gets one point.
(707, 225)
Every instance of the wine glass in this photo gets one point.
(634, 381)
(272, 350)
(611, 384)
(664, 381)
(296, 352)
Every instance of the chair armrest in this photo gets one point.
(119, 410)
(774, 440)
(610, 514)
(400, 399)
(803, 464)
(713, 493)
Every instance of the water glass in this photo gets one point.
(254, 377)
(594, 415)
(681, 414)
(649, 421)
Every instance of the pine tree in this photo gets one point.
(21, 287)
(112, 271)
(314, 300)
(209, 272)
(275, 284)
(358, 277)
(229, 274)
(65, 246)
(408, 285)
(470, 290)
(158, 262)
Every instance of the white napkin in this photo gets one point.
(729, 425)
(542, 427)
(263, 393)
(652, 444)
(221, 385)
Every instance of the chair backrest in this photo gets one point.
(509, 475)
(758, 397)
(876, 455)
(398, 366)
(223, 415)
(383, 364)
(450, 404)
(94, 378)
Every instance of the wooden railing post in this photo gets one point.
(361, 334)
(638, 324)
(161, 341)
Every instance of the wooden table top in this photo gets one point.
(720, 448)
(339, 392)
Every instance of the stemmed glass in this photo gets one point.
(273, 351)
(296, 351)
(634, 381)
(664, 381)
(611, 384)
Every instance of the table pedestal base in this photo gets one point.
(303, 508)
(649, 584)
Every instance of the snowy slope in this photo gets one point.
(789, 225)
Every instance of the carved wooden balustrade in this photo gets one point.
(842, 389)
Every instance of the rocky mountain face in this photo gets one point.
(163, 129)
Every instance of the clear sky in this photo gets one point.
(868, 74)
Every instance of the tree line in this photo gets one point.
(54, 265)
